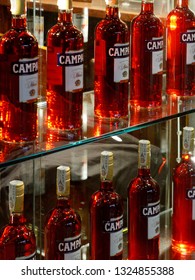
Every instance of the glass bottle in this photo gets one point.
(106, 215)
(146, 58)
(62, 232)
(143, 209)
(18, 79)
(64, 73)
(17, 241)
(183, 219)
(181, 50)
(111, 69)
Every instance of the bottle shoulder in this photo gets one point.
(102, 197)
(147, 21)
(185, 167)
(64, 30)
(143, 183)
(111, 26)
(63, 215)
(181, 14)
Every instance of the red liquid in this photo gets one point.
(18, 118)
(142, 192)
(183, 225)
(61, 222)
(180, 70)
(146, 59)
(17, 241)
(111, 94)
(64, 102)
(105, 205)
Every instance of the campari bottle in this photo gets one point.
(64, 73)
(106, 216)
(183, 219)
(111, 73)
(146, 58)
(17, 240)
(143, 210)
(62, 232)
(181, 50)
(18, 79)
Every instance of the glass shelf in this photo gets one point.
(93, 129)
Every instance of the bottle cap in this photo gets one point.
(18, 7)
(144, 152)
(188, 138)
(63, 181)
(64, 4)
(16, 196)
(106, 166)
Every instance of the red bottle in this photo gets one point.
(18, 79)
(64, 73)
(17, 241)
(143, 210)
(146, 58)
(181, 50)
(111, 73)
(62, 232)
(106, 216)
(183, 219)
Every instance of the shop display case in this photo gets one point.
(35, 163)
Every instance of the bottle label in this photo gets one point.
(190, 194)
(115, 228)
(72, 63)
(152, 213)
(29, 257)
(189, 39)
(120, 54)
(156, 47)
(27, 70)
(71, 248)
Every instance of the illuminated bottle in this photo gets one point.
(64, 73)
(181, 50)
(106, 216)
(146, 58)
(18, 79)
(111, 73)
(62, 232)
(17, 241)
(183, 219)
(143, 210)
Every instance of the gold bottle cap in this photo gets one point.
(18, 7)
(144, 154)
(16, 196)
(106, 166)
(111, 2)
(63, 181)
(64, 4)
(188, 138)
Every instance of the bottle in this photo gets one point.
(146, 58)
(18, 79)
(143, 209)
(111, 66)
(64, 73)
(62, 231)
(17, 241)
(106, 215)
(183, 218)
(181, 50)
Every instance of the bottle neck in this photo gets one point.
(112, 11)
(19, 22)
(106, 186)
(144, 172)
(65, 16)
(182, 3)
(147, 6)
(63, 201)
(17, 218)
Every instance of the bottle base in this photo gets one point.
(182, 251)
(150, 105)
(177, 92)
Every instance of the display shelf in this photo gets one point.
(93, 129)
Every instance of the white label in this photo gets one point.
(190, 194)
(152, 212)
(156, 47)
(115, 228)
(71, 248)
(190, 56)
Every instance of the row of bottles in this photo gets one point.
(122, 55)
(63, 225)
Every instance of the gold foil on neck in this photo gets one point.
(144, 154)
(112, 2)
(106, 166)
(16, 196)
(188, 139)
(18, 7)
(63, 181)
(64, 5)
